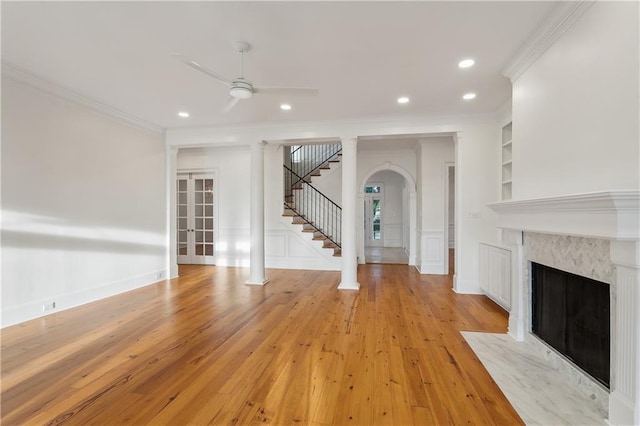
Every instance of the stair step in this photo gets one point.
(288, 212)
(297, 220)
(329, 244)
(337, 252)
(334, 160)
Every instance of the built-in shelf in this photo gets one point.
(507, 166)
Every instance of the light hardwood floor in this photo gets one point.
(386, 255)
(207, 349)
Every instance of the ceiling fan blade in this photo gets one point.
(197, 66)
(231, 102)
(293, 91)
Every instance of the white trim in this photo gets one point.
(561, 18)
(607, 214)
(33, 309)
(462, 286)
(34, 81)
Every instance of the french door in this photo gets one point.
(195, 217)
(373, 220)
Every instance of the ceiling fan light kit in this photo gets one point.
(240, 88)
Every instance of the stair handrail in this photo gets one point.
(331, 218)
(319, 155)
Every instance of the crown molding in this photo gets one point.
(21, 75)
(561, 18)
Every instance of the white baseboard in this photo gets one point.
(466, 286)
(31, 310)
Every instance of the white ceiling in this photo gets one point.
(360, 55)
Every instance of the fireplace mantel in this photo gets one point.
(611, 215)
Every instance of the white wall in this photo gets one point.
(433, 238)
(232, 172)
(84, 205)
(392, 207)
(477, 182)
(575, 110)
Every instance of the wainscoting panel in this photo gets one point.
(495, 274)
(393, 235)
(292, 249)
(432, 253)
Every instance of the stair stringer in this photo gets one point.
(290, 248)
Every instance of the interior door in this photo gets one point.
(195, 217)
(373, 220)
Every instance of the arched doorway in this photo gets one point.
(387, 210)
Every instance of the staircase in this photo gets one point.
(303, 202)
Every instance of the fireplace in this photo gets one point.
(571, 313)
(594, 235)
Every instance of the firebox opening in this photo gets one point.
(572, 314)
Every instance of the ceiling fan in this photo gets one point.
(240, 88)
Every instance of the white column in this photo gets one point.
(349, 215)
(256, 265)
(519, 302)
(624, 399)
(172, 245)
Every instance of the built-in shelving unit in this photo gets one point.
(507, 168)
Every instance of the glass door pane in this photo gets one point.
(195, 219)
(182, 216)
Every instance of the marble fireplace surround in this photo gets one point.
(596, 235)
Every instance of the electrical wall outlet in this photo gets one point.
(160, 275)
(48, 306)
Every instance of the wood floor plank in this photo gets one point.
(207, 349)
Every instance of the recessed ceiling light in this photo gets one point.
(468, 96)
(466, 63)
(183, 114)
(403, 100)
(285, 107)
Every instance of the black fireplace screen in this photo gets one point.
(572, 314)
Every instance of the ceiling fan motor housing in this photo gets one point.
(241, 89)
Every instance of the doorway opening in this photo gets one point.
(386, 215)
